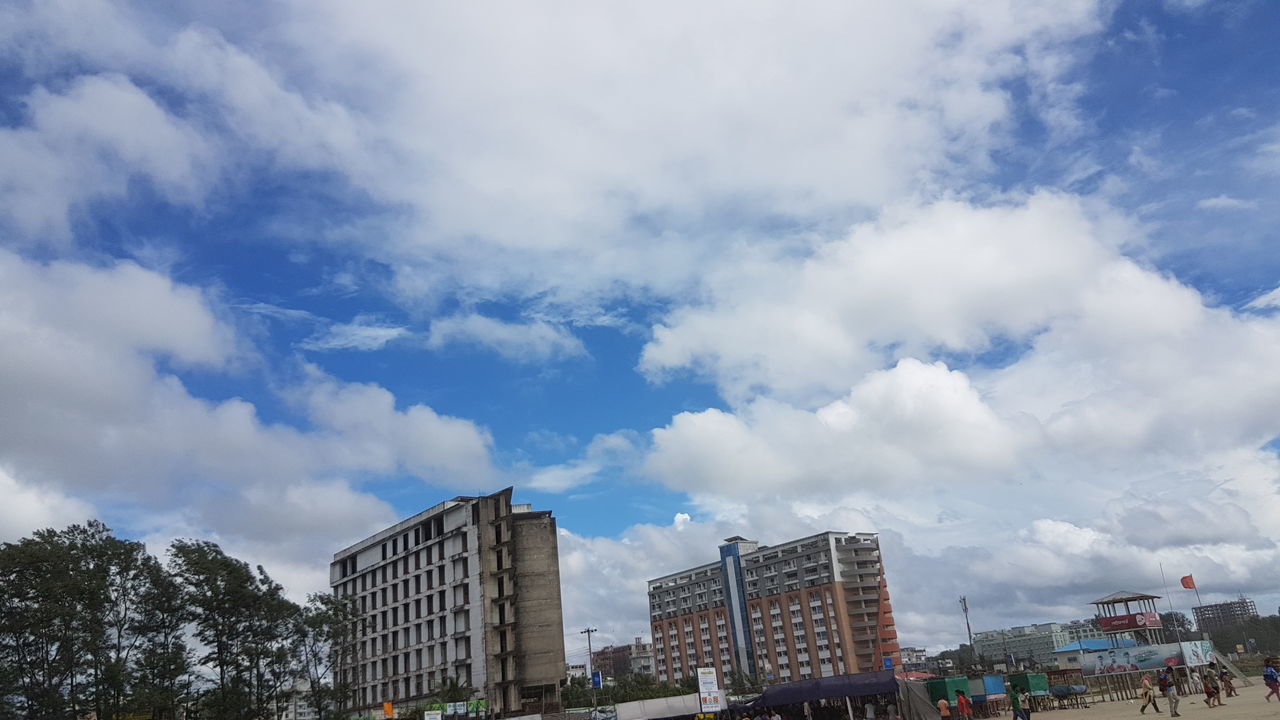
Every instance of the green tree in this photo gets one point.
(162, 680)
(326, 640)
(246, 623)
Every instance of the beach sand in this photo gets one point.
(1249, 705)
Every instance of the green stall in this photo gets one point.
(946, 687)
(1035, 683)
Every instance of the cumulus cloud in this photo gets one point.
(841, 111)
(531, 342)
(88, 417)
(86, 144)
(27, 508)
(949, 275)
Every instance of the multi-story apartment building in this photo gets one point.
(468, 589)
(641, 657)
(913, 659)
(1225, 614)
(1032, 644)
(813, 607)
(617, 660)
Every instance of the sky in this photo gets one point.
(995, 280)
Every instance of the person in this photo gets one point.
(1228, 687)
(775, 716)
(944, 708)
(1212, 695)
(964, 707)
(1148, 695)
(1016, 703)
(1271, 677)
(1028, 704)
(1168, 686)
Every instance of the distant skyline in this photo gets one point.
(998, 281)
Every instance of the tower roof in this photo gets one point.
(1124, 596)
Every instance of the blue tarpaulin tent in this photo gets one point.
(857, 685)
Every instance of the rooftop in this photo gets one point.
(1124, 596)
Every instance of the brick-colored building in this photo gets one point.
(813, 607)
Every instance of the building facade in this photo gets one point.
(617, 660)
(1225, 614)
(1031, 645)
(468, 589)
(813, 607)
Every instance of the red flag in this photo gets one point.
(1188, 582)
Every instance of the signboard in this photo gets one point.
(477, 707)
(709, 697)
(1197, 652)
(432, 715)
(597, 680)
(1136, 621)
(1113, 661)
(711, 700)
(388, 710)
(707, 679)
(455, 708)
(888, 663)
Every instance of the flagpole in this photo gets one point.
(1176, 632)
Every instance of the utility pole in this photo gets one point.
(591, 677)
(964, 606)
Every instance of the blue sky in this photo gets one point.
(998, 282)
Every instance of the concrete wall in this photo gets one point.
(540, 620)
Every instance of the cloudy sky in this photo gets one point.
(997, 280)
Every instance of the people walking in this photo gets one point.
(1016, 703)
(1212, 693)
(1027, 704)
(1228, 687)
(1168, 686)
(1271, 677)
(1148, 695)
(944, 708)
(964, 707)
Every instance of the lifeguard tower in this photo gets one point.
(1130, 613)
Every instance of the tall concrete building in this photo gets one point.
(1224, 614)
(813, 607)
(468, 589)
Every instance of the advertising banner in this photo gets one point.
(1136, 621)
(710, 700)
(1197, 652)
(1123, 660)
(707, 679)
(432, 715)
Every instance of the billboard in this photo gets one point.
(1197, 652)
(1136, 621)
(1122, 660)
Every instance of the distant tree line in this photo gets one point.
(93, 624)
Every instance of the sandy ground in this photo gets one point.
(1249, 705)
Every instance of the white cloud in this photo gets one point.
(531, 342)
(26, 508)
(363, 333)
(615, 450)
(87, 417)
(542, 171)
(947, 275)
(1265, 301)
(1223, 202)
(86, 144)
